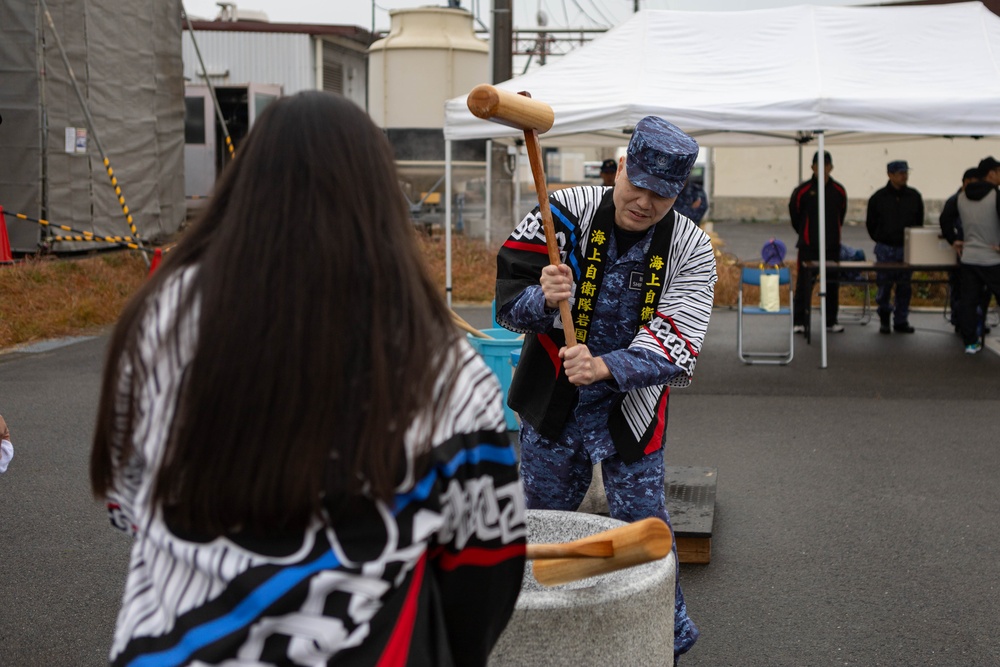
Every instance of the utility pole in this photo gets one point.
(501, 28)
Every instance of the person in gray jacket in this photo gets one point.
(979, 209)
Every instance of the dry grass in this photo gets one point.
(473, 267)
(49, 297)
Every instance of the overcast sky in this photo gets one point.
(560, 13)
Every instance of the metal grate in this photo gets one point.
(333, 77)
(691, 499)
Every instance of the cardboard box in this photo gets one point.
(925, 245)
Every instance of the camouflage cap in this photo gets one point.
(897, 166)
(660, 156)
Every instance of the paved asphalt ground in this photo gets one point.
(856, 519)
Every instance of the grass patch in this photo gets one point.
(50, 297)
(47, 297)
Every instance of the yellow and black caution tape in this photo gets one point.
(126, 241)
(121, 198)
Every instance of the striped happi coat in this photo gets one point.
(430, 580)
(678, 283)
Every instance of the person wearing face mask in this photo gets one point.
(640, 279)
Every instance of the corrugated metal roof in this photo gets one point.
(284, 59)
(355, 33)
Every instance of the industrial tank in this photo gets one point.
(430, 55)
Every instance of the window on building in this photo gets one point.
(333, 77)
(194, 120)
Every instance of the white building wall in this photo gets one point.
(936, 166)
(233, 58)
(355, 69)
(754, 183)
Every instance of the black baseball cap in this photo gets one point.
(827, 159)
(988, 164)
(609, 166)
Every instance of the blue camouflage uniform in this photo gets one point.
(686, 202)
(648, 340)
(557, 472)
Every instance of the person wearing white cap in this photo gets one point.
(640, 279)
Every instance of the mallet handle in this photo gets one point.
(599, 549)
(634, 544)
(468, 328)
(538, 173)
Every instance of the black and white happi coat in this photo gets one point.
(673, 303)
(430, 580)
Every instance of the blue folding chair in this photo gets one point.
(750, 276)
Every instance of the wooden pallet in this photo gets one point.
(691, 504)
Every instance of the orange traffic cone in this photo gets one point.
(5, 256)
(157, 256)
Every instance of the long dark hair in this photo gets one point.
(321, 334)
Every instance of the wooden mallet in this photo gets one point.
(519, 111)
(633, 544)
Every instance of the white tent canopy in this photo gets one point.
(775, 73)
(771, 76)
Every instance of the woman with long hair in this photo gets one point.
(312, 460)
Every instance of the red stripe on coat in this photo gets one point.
(397, 649)
(677, 330)
(552, 349)
(528, 247)
(476, 556)
(656, 441)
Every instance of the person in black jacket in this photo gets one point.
(891, 210)
(803, 207)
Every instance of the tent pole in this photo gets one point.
(447, 220)
(821, 183)
(211, 88)
(489, 189)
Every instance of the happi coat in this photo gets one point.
(677, 285)
(430, 579)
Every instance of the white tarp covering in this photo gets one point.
(764, 76)
(856, 74)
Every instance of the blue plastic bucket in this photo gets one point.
(496, 352)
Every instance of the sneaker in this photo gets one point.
(799, 328)
(974, 348)
(835, 328)
(903, 327)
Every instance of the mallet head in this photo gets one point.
(510, 109)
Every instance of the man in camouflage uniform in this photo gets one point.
(692, 202)
(640, 278)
